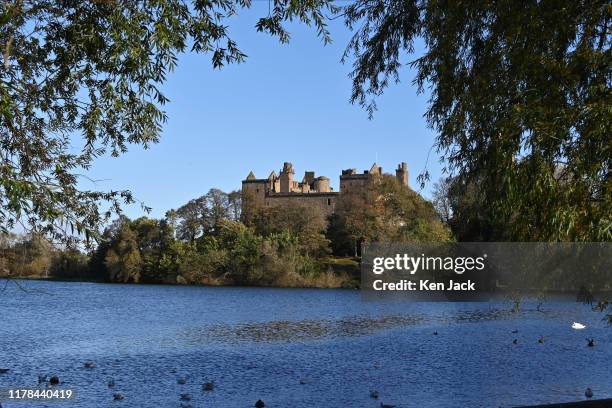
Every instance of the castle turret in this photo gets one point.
(401, 173)
(272, 181)
(309, 177)
(254, 189)
(376, 170)
(321, 184)
(286, 178)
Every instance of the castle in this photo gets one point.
(282, 189)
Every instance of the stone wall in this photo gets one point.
(354, 182)
(255, 190)
(326, 202)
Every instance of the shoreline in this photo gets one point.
(200, 285)
(567, 295)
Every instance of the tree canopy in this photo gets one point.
(520, 96)
(93, 70)
(385, 211)
(520, 101)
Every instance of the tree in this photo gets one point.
(36, 256)
(235, 205)
(190, 218)
(70, 263)
(202, 215)
(218, 205)
(244, 252)
(386, 210)
(517, 89)
(123, 259)
(408, 216)
(473, 219)
(469, 216)
(29, 255)
(441, 199)
(306, 223)
(357, 220)
(97, 262)
(157, 248)
(94, 70)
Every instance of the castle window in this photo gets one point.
(329, 201)
(257, 190)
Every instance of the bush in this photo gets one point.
(70, 264)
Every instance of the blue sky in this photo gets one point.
(285, 103)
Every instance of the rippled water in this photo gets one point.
(294, 348)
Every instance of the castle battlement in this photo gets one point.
(282, 189)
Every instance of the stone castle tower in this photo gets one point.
(401, 173)
(282, 189)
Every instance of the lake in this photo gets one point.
(294, 348)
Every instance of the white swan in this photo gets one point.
(578, 326)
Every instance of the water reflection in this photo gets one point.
(352, 326)
(291, 331)
(475, 316)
